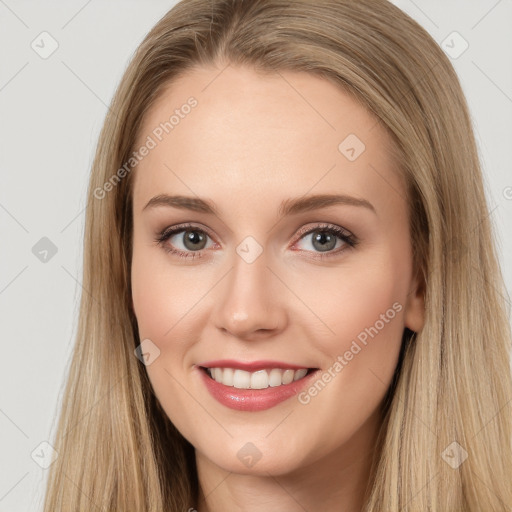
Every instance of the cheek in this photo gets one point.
(151, 300)
(353, 298)
(161, 296)
(366, 302)
(163, 305)
(363, 306)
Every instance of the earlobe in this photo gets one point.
(414, 317)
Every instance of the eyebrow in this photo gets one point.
(287, 207)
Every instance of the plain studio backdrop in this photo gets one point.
(60, 64)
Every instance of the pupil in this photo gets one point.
(327, 240)
(194, 237)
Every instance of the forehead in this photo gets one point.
(263, 136)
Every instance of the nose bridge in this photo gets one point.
(248, 302)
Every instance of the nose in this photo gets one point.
(250, 301)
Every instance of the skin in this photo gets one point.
(252, 142)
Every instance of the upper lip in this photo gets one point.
(250, 366)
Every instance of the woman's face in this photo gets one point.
(295, 255)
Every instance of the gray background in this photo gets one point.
(51, 112)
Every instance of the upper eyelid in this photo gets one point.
(326, 226)
(175, 230)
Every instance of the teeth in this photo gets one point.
(276, 377)
(288, 376)
(241, 379)
(260, 379)
(227, 376)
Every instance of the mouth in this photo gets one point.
(260, 379)
(253, 386)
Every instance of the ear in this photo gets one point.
(414, 316)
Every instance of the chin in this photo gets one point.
(260, 457)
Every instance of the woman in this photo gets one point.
(254, 371)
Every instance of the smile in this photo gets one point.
(261, 379)
(253, 386)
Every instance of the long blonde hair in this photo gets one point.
(118, 450)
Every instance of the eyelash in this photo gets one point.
(341, 233)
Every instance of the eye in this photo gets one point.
(327, 237)
(189, 241)
(185, 240)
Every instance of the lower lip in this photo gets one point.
(253, 399)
